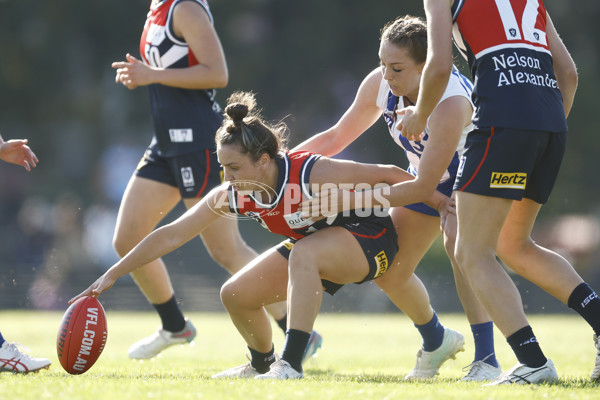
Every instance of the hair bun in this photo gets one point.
(237, 112)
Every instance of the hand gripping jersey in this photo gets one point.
(458, 85)
(185, 120)
(281, 215)
(505, 44)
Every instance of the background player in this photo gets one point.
(183, 62)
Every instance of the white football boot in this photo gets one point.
(429, 362)
(481, 371)
(521, 374)
(241, 371)
(13, 359)
(281, 369)
(160, 340)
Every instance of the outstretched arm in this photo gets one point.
(16, 151)
(162, 241)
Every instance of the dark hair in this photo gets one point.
(409, 32)
(244, 125)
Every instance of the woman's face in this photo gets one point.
(400, 70)
(239, 169)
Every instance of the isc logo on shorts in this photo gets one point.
(187, 176)
(181, 135)
(512, 180)
(382, 264)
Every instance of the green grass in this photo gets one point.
(363, 357)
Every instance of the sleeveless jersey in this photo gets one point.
(458, 85)
(505, 44)
(185, 120)
(281, 215)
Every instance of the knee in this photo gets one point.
(302, 258)
(122, 244)
(230, 295)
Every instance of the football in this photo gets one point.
(81, 335)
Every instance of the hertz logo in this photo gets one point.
(514, 180)
(382, 264)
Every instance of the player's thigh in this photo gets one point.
(416, 233)
(480, 219)
(263, 281)
(145, 203)
(334, 252)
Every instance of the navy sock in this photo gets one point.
(526, 347)
(432, 333)
(483, 336)
(293, 349)
(586, 302)
(1, 339)
(262, 361)
(282, 323)
(170, 315)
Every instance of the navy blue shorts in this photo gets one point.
(195, 174)
(445, 188)
(378, 240)
(511, 163)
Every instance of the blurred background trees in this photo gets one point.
(304, 60)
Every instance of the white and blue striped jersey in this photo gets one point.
(458, 85)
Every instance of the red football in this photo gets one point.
(81, 336)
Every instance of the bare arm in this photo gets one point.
(163, 241)
(361, 115)
(191, 22)
(436, 71)
(564, 66)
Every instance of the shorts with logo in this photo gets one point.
(195, 174)
(376, 236)
(511, 163)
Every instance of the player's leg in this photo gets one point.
(485, 365)
(480, 219)
(312, 259)
(144, 204)
(227, 247)
(547, 269)
(416, 233)
(263, 281)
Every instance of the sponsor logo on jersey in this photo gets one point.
(508, 180)
(295, 220)
(187, 176)
(382, 263)
(181, 135)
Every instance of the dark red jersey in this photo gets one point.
(280, 215)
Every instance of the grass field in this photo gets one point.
(363, 357)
